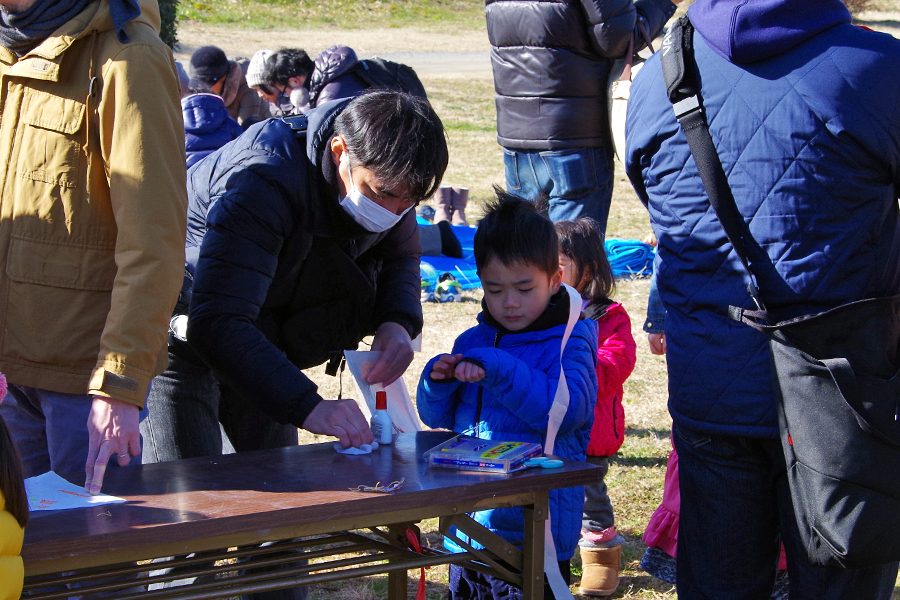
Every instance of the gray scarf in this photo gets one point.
(23, 31)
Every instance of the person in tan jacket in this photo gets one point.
(92, 225)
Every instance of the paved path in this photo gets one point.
(429, 53)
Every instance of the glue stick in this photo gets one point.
(382, 427)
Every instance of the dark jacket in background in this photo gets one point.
(804, 117)
(552, 61)
(333, 77)
(278, 275)
(207, 126)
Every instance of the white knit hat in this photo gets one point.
(256, 70)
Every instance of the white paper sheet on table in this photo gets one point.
(400, 407)
(51, 492)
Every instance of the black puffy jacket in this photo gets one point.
(278, 276)
(552, 61)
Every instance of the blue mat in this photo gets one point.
(462, 268)
(628, 258)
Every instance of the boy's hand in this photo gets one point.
(469, 372)
(443, 367)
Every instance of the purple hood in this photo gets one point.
(745, 31)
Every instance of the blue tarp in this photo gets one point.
(627, 258)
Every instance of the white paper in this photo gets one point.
(51, 492)
(399, 404)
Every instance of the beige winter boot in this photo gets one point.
(460, 199)
(601, 571)
(443, 204)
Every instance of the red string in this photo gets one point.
(414, 544)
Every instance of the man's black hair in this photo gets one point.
(514, 231)
(287, 63)
(399, 137)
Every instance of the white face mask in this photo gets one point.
(365, 211)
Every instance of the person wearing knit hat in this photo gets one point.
(256, 70)
(211, 71)
(208, 69)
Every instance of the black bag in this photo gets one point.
(385, 74)
(835, 377)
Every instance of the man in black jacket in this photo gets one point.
(300, 242)
(552, 63)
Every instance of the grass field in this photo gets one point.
(466, 106)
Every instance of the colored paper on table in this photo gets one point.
(400, 407)
(51, 492)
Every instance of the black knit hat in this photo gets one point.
(208, 65)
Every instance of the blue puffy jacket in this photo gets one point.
(207, 126)
(522, 373)
(804, 111)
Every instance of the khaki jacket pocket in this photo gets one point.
(50, 147)
(58, 299)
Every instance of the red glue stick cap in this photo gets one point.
(381, 400)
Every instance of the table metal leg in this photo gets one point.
(533, 568)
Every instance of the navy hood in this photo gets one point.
(746, 31)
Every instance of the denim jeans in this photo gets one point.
(50, 429)
(578, 181)
(735, 508)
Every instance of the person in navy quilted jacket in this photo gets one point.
(802, 109)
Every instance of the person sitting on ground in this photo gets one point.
(211, 71)
(207, 126)
(501, 377)
(256, 80)
(285, 82)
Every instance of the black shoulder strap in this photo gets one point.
(680, 76)
(297, 123)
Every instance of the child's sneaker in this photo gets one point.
(448, 289)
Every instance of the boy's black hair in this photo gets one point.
(582, 242)
(287, 63)
(12, 482)
(514, 231)
(399, 137)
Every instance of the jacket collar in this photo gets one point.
(44, 61)
(556, 313)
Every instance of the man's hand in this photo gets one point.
(657, 343)
(396, 354)
(113, 427)
(343, 420)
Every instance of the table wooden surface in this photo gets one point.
(248, 498)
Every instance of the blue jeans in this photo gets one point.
(578, 181)
(735, 508)
(50, 429)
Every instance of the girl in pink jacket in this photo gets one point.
(582, 256)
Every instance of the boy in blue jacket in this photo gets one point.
(501, 378)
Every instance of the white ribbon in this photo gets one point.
(557, 412)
